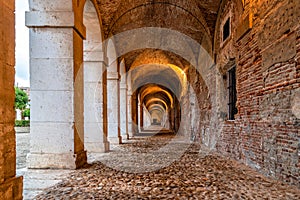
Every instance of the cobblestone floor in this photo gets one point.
(34, 181)
(153, 168)
(22, 149)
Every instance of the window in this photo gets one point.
(232, 110)
(226, 29)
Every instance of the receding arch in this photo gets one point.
(95, 132)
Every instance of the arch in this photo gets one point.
(95, 132)
(93, 5)
(156, 101)
(158, 74)
(175, 42)
(112, 56)
(93, 40)
(151, 89)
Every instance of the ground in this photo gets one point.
(35, 181)
(22, 149)
(127, 172)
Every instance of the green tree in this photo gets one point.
(21, 100)
(26, 113)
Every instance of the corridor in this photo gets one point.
(127, 172)
(222, 75)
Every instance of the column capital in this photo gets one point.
(113, 76)
(95, 56)
(54, 19)
(123, 86)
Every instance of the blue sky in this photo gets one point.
(22, 45)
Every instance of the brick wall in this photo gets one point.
(200, 105)
(265, 134)
(10, 186)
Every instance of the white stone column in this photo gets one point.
(56, 73)
(113, 105)
(147, 118)
(129, 105)
(95, 116)
(123, 102)
(139, 113)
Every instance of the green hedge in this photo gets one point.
(22, 123)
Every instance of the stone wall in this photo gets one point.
(265, 45)
(10, 185)
(200, 105)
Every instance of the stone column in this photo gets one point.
(172, 119)
(166, 123)
(10, 185)
(56, 73)
(123, 102)
(134, 113)
(147, 117)
(139, 113)
(113, 105)
(129, 106)
(95, 116)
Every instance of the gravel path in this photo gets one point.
(121, 174)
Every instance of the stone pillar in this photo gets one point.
(166, 121)
(95, 116)
(129, 106)
(141, 113)
(172, 118)
(147, 117)
(56, 73)
(134, 113)
(10, 185)
(113, 105)
(123, 102)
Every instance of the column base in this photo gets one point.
(125, 137)
(115, 140)
(56, 161)
(97, 147)
(130, 135)
(12, 189)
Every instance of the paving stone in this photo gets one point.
(194, 175)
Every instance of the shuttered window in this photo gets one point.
(232, 109)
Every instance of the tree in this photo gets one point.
(21, 100)
(26, 113)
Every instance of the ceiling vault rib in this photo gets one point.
(152, 3)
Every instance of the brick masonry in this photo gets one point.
(10, 185)
(266, 132)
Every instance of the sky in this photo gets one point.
(22, 45)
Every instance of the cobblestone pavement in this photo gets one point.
(193, 175)
(22, 149)
(34, 181)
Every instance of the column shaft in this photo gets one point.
(123, 111)
(113, 105)
(95, 116)
(56, 66)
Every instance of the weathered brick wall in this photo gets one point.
(266, 132)
(10, 186)
(200, 104)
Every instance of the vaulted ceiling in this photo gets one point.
(191, 17)
(157, 71)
